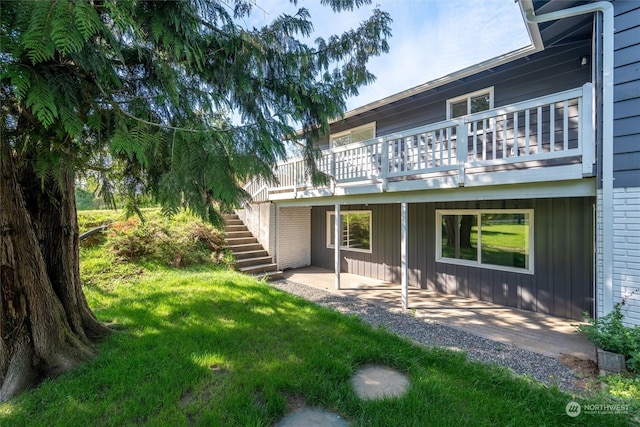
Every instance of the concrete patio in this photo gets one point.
(540, 333)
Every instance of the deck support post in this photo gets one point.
(336, 246)
(404, 246)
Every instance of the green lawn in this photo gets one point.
(207, 347)
(504, 235)
(502, 244)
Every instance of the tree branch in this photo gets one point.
(116, 106)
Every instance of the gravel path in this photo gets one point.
(542, 368)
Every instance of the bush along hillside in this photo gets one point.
(178, 241)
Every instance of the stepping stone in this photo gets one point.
(312, 417)
(377, 382)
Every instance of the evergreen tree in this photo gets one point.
(175, 99)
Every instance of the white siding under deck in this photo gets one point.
(260, 220)
(626, 244)
(294, 237)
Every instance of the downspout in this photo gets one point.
(276, 232)
(606, 8)
(404, 253)
(337, 240)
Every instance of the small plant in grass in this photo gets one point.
(624, 386)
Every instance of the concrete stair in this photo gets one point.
(251, 257)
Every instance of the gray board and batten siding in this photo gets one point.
(553, 70)
(562, 283)
(626, 109)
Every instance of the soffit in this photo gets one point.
(562, 31)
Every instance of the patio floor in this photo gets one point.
(541, 333)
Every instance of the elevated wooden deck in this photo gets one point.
(545, 139)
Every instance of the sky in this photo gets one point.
(430, 38)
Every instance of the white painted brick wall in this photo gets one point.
(260, 219)
(626, 251)
(599, 261)
(273, 227)
(294, 237)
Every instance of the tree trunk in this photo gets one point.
(55, 218)
(45, 323)
(466, 224)
(450, 222)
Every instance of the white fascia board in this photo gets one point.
(556, 173)
(350, 190)
(532, 27)
(559, 189)
(444, 182)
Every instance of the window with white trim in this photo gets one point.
(497, 239)
(357, 134)
(470, 103)
(355, 230)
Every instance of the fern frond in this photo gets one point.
(119, 143)
(42, 102)
(20, 78)
(141, 139)
(36, 39)
(157, 29)
(47, 167)
(70, 122)
(170, 210)
(133, 142)
(64, 33)
(86, 19)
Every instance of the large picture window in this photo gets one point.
(355, 230)
(496, 239)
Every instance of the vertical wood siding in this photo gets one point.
(563, 243)
(382, 263)
(626, 109)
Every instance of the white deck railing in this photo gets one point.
(528, 133)
(258, 189)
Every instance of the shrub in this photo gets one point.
(178, 242)
(611, 334)
(129, 240)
